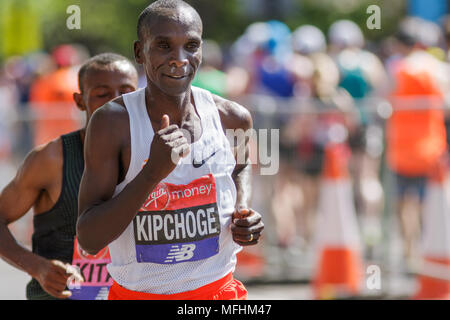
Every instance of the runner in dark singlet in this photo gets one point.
(48, 181)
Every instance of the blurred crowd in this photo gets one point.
(384, 103)
(36, 94)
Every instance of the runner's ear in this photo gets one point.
(78, 98)
(138, 52)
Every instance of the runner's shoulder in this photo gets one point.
(232, 114)
(111, 116)
(48, 154)
(108, 128)
(44, 161)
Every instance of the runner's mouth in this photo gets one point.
(176, 77)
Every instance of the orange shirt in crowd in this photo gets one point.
(415, 133)
(52, 103)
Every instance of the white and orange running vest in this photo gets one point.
(180, 239)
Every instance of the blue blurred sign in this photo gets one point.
(431, 10)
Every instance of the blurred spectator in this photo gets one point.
(415, 133)
(314, 120)
(274, 77)
(262, 52)
(361, 72)
(20, 73)
(8, 101)
(446, 45)
(363, 76)
(51, 95)
(446, 35)
(210, 75)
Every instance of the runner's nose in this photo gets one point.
(179, 59)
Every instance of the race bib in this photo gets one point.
(178, 223)
(96, 277)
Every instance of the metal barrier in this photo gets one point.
(374, 186)
(288, 200)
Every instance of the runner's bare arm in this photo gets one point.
(16, 199)
(103, 218)
(38, 171)
(234, 116)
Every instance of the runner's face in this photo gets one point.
(171, 53)
(101, 86)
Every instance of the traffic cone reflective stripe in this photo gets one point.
(435, 282)
(434, 278)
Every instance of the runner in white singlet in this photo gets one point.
(173, 226)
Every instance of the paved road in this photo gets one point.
(13, 282)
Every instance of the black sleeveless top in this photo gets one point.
(54, 230)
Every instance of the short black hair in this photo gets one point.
(100, 61)
(161, 8)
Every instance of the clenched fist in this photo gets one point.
(246, 226)
(168, 145)
(54, 275)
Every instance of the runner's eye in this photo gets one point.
(163, 45)
(126, 90)
(193, 45)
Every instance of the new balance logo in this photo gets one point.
(102, 294)
(178, 254)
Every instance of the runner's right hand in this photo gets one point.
(168, 145)
(53, 276)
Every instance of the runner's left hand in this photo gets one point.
(246, 226)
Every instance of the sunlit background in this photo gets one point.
(359, 207)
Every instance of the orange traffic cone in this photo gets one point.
(434, 278)
(339, 266)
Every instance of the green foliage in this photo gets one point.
(322, 13)
(105, 25)
(110, 25)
